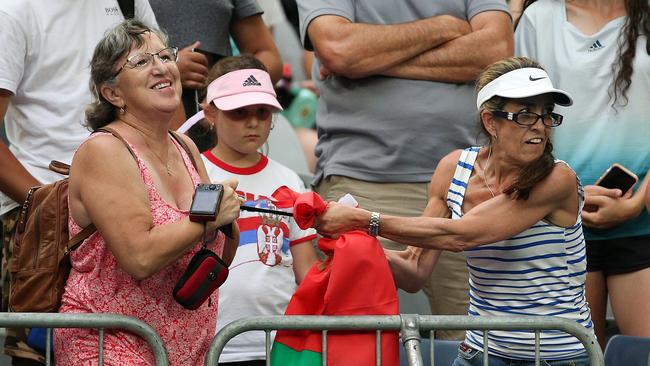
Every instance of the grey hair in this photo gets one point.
(115, 44)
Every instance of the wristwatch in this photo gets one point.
(373, 225)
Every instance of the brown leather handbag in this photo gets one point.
(40, 262)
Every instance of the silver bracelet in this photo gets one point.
(373, 225)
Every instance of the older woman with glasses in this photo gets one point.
(137, 194)
(512, 208)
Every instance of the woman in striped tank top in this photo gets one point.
(512, 208)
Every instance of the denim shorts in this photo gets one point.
(468, 356)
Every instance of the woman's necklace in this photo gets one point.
(487, 165)
(163, 162)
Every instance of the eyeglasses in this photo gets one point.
(529, 118)
(141, 60)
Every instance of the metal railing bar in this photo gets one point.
(531, 323)
(302, 322)
(48, 346)
(378, 348)
(538, 346)
(324, 352)
(267, 346)
(432, 355)
(407, 323)
(410, 335)
(485, 348)
(89, 321)
(101, 347)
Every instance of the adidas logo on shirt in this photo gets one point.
(251, 81)
(595, 47)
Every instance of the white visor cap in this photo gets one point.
(522, 83)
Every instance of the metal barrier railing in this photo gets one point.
(416, 323)
(409, 326)
(98, 321)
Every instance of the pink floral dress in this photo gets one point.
(98, 285)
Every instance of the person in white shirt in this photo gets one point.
(44, 75)
(274, 254)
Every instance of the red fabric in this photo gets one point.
(306, 206)
(284, 197)
(354, 280)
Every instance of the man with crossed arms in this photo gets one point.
(397, 94)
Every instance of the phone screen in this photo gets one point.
(617, 178)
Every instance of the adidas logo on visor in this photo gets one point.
(251, 81)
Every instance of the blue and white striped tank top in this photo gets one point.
(539, 271)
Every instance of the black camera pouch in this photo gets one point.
(204, 274)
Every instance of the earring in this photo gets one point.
(122, 110)
(272, 125)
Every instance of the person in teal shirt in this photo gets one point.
(599, 54)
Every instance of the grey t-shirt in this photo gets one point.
(384, 129)
(207, 21)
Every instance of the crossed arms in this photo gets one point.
(439, 48)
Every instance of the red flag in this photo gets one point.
(354, 280)
(306, 206)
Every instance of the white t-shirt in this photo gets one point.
(273, 12)
(593, 135)
(46, 52)
(261, 279)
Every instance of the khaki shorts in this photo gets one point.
(15, 342)
(448, 287)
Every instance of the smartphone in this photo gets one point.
(617, 176)
(205, 205)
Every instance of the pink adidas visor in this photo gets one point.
(242, 88)
(237, 89)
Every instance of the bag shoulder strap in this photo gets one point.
(76, 240)
(185, 147)
(59, 167)
(119, 137)
(127, 7)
